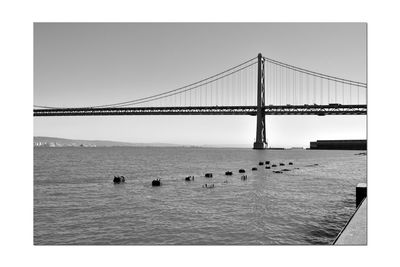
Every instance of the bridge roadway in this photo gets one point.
(320, 110)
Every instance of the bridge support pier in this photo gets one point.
(261, 142)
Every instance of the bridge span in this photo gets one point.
(258, 87)
(320, 110)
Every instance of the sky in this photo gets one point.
(86, 64)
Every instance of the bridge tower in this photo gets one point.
(261, 142)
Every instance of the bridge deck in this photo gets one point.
(320, 110)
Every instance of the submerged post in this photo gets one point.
(261, 142)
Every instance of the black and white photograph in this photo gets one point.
(200, 134)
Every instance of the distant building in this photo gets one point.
(55, 144)
(339, 144)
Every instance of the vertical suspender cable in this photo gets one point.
(230, 90)
(252, 86)
(216, 92)
(308, 91)
(245, 86)
(281, 83)
(293, 87)
(206, 102)
(301, 88)
(276, 86)
(286, 86)
(321, 91)
(314, 92)
(329, 91)
(351, 100)
(266, 83)
(212, 87)
(336, 92)
(343, 93)
(241, 88)
(233, 89)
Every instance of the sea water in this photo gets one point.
(77, 203)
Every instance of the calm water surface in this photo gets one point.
(76, 202)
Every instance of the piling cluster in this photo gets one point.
(156, 182)
(119, 179)
(268, 165)
(189, 178)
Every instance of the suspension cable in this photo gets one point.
(320, 75)
(180, 89)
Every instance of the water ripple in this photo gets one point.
(76, 203)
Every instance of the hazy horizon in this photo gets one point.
(178, 144)
(173, 144)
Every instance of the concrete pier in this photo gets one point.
(361, 193)
(355, 231)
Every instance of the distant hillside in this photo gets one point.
(99, 143)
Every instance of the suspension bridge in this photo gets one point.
(257, 87)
